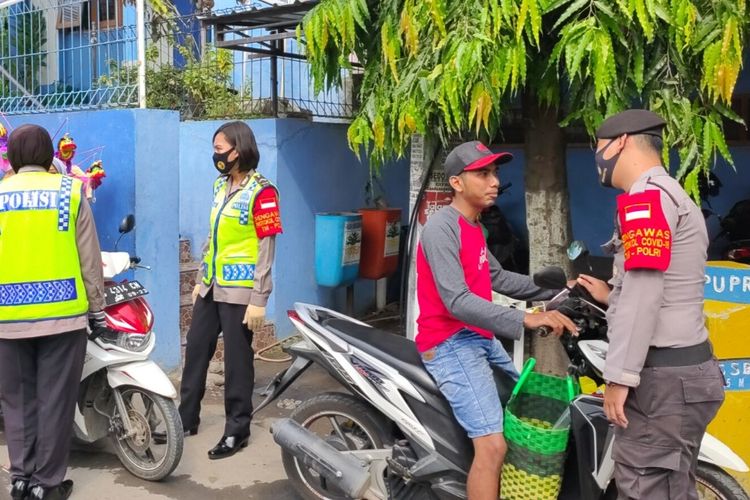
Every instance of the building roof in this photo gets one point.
(240, 30)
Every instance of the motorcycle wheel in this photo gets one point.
(346, 423)
(139, 454)
(715, 484)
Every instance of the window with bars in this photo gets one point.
(89, 15)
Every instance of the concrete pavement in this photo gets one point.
(256, 473)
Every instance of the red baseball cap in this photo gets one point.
(472, 155)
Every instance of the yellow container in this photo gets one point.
(727, 309)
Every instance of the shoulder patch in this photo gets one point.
(646, 236)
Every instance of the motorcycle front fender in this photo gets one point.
(143, 374)
(715, 452)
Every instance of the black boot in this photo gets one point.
(20, 489)
(228, 446)
(60, 492)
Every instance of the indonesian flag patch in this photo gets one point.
(266, 213)
(646, 236)
(637, 211)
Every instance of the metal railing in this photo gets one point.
(64, 55)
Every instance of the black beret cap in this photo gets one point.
(631, 121)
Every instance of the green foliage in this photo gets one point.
(22, 38)
(441, 67)
(200, 89)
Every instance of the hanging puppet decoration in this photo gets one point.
(63, 164)
(5, 167)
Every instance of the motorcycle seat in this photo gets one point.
(395, 350)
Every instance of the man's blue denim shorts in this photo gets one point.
(461, 368)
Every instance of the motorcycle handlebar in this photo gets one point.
(543, 331)
(134, 261)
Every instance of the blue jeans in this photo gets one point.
(462, 369)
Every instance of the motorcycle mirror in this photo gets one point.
(577, 249)
(551, 278)
(127, 224)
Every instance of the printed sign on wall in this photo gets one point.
(728, 284)
(736, 373)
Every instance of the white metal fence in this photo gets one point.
(61, 55)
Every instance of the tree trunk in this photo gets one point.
(547, 209)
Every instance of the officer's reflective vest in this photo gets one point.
(40, 271)
(233, 244)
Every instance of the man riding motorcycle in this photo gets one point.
(458, 322)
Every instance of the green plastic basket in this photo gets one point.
(536, 452)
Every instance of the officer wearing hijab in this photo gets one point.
(46, 305)
(663, 383)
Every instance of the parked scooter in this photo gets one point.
(124, 395)
(393, 435)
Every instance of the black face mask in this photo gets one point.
(606, 167)
(221, 161)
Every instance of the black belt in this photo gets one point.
(679, 356)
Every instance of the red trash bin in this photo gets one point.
(381, 231)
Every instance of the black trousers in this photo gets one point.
(210, 318)
(39, 380)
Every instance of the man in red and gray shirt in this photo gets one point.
(458, 322)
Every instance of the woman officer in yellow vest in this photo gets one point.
(45, 307)
(234, 285)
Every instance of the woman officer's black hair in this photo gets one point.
(240, 136)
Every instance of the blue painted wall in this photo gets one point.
(139, 156)
(318, 173)
(592, 207)
(156, 192)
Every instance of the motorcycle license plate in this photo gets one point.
(123, 292)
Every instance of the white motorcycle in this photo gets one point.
(392, 435)
(123, 394)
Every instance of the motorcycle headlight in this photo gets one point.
(135, 342)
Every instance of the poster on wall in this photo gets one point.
(437, 195)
